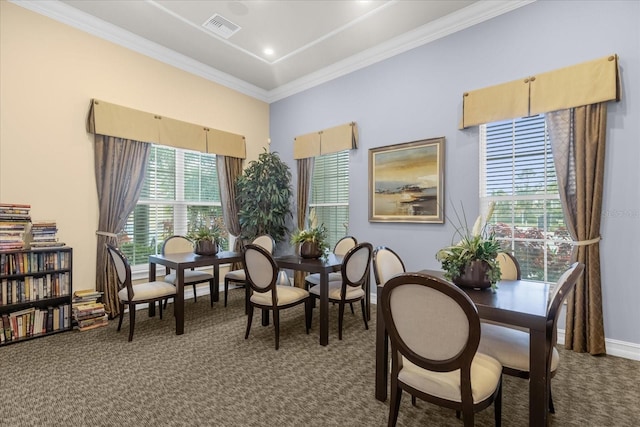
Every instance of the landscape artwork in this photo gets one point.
(406, 182)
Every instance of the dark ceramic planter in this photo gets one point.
(474, 276)
(309, 250)
(206, 247)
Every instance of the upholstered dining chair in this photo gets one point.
(341, 248)
(386, 264)
(434, 331)
(509, 266)
(239, 277)
(262, 277)
(132, 295)
(179, 244)
(511, 346)
(353, 286)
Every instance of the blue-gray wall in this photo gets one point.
(417, 95)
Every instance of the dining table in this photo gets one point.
(323, 266)
(187, 260)
(519, 303)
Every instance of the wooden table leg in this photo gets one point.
(179, 301)
(152, 278)
(324, 308)
(538, 379)
(216, 283)
(382, 355)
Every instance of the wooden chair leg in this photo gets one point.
(159, 307)
(121, 316)
(394, 403)
(132, 320)
(276, 326)
(364, 314)
(351, 305)
(249, 319)
(307, 314)
(497, 405)
(195, 299)
(552, 409)
(414, 401)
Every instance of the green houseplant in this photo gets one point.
(263, 196)
(312, 241)
(472, 261)
(206, 239)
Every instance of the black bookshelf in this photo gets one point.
(35, 293)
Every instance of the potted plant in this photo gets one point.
(472, 262)
(205, 239)
(312, 241)
(263, 195)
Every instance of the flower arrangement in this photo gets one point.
(312, 239)
(476, 248)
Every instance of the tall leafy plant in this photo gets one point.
(263, 196)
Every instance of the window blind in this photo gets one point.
(330, 193)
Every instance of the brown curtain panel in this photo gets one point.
(578, 143)
(229, 169)
(305, 175)
(120, 166)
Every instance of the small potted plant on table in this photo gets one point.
(205, 239)
(312, 241)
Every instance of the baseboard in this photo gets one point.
(616, 348)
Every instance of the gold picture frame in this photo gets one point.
(406, 182)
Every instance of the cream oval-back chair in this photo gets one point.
(434, 331)
(511, 346)
(180, 244)
(509, 266)
(386, 264)
(262, 277)
(239, 277)
(141, 293)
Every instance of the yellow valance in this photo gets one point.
(332, 140)
(123, 122)
(582, 84)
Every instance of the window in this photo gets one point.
(180, 192)
(330, 194)
(517, 173)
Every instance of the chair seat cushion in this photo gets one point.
(485, 377)
(334, 291)
(314, 278)
(510, 346)
(149, 290)
(190, 276)
(286, 295)
(236, 276)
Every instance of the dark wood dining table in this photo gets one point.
(519, 303)
(183, 261)
(322, 266)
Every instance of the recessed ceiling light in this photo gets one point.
(268, 51)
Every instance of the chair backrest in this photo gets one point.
(355, 266)
(430, 322)
(177, 244)
(386, 264)
(122, 267)
(261, 269)
(565, 284)
(344, 244)
(509, 266)
(266, 242)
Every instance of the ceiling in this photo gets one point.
(312, 41)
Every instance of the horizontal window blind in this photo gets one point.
(180, 193)
(330, 193)
(518, 176)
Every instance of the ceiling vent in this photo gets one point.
(221, 26)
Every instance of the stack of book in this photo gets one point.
(88, 313)
(14, 223)
(43, 235)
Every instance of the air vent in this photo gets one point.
(221, 26)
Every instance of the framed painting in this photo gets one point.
(406, 182)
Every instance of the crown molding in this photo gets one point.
(474, 14)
